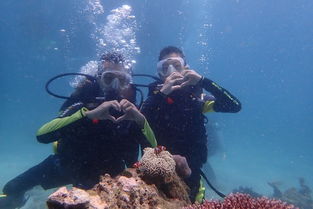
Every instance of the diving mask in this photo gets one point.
(114, 80)
(169, 65)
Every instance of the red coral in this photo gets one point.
(243, 201)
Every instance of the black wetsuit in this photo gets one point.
(179, 123)
(86, 149)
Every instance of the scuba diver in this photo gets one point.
(98, 131)
(175, 109)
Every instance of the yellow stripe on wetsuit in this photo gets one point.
(201, 193)
(148, 132)
(49, 127)
(61, 122)
(208, 106)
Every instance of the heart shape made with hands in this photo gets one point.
(129, 110)
(190, 77)
(184, 78)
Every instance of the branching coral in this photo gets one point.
(243, 201)
(300, 197)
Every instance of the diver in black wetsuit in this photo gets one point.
(93, 136)
(175, 107)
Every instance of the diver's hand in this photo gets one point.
(102, 111)
(172, 83)
(131, 113)
(191, 78)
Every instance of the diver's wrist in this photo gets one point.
(200, 81)
(90, 114)
(164, 92)
(140, 120)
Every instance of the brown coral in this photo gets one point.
(158, 166)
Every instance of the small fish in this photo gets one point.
(159, 149)
(136, 164)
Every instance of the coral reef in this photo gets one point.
(301, 197)
(158, 168)
(247, 190)
(153, 184)
(276, 192)
(156, 165)
(242, 201)
(127, 190)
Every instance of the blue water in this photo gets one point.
(261, 51)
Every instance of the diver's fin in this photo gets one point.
(12, 202)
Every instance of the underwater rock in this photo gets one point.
(127, 190)
(243, 201)
(64, 198)
(154, 184)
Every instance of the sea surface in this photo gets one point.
(260, 51)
